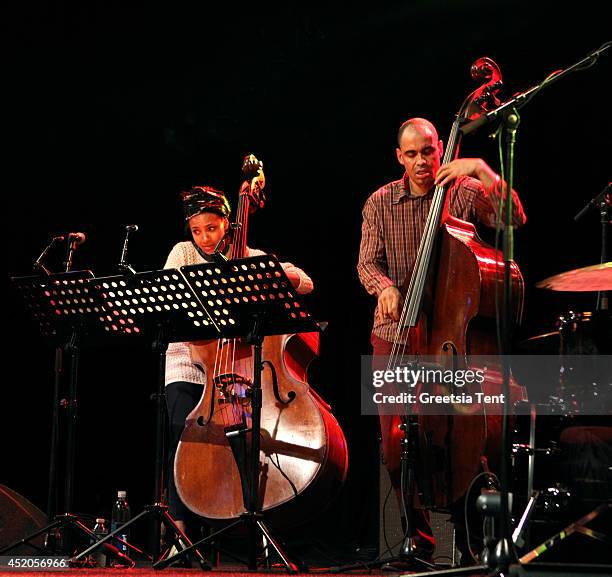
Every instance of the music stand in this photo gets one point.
(250, 298)
(158, 306)
(64, 308)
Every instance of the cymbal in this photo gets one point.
(590, 278)
(547, 343)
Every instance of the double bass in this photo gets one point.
(303, 456)
(450, 307)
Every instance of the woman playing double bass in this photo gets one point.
(206, 213)
(393, 223)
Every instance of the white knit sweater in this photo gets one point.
(179, 366)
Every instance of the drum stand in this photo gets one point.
(576, 527)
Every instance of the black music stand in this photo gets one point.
(65, 309)
(158, 306)
(250, 298)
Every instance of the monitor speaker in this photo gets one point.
(390, 532)
(18, 519)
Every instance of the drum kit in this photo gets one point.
(562, 453)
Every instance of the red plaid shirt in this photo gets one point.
(393, 223)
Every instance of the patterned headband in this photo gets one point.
(204, 199)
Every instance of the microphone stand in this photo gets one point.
(523, 98)
(58, 372)
(505, 553)
(72, 244)
(601, 202)
(602, 296)
(38, 265)
(123, 264)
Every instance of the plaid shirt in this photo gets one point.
(393, 223)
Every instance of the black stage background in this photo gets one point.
(118, 106)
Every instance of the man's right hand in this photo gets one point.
(389, 302)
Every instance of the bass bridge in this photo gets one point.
(233, 388)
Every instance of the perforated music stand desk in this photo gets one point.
(143, 304)
(249, 298)
(204, 301)
(236, 292)
(59, 302)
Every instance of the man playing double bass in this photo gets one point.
(393, 223)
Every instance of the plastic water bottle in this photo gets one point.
(120, 515)
(100, 530)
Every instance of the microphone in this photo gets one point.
(601, 198)
(74, 239)
(123, 264)
(77, 237)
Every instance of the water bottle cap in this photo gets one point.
(121, 494)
